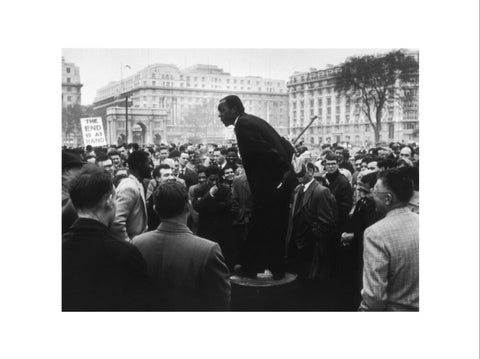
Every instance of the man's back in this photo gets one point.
(188, 271)
(100, 272)
(391, 262)
(131, 215)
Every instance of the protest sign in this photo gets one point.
(92, 130)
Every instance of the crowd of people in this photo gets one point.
(163, 227)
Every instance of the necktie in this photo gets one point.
(299, 200)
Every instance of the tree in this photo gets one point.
(71, 119)
(200, 118)
(371, 81)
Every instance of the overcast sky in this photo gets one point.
(100, 66)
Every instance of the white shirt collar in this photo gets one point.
(235, 122)
(306, 185)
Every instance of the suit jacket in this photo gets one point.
(342, 190)
(189, 272)
(242, 200)
(190, 177)
(214, 213)
(131, 216)
(391, 263)
(266, 156)
(319, 215)
(99, 272)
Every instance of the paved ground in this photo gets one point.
(267, 295)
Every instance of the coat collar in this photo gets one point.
(399, 210)
(89, 223)
(170, 226)
(306, 196)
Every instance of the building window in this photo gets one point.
(68, 80)
(69, 88)
(154, 83)
(69, 98)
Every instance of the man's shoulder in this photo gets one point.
(126, 184)
(185, 240)
(249, 120)
(405, 219)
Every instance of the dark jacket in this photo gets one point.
(266, 156)
(189, 176)
(100, 272)
(214, 213)
(341, 189)
(311, 226)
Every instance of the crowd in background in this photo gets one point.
(198, 195)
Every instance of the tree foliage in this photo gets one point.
(371, 81)
(71, 119)
(200, 118)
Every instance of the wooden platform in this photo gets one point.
(263, 280)
(263, 293)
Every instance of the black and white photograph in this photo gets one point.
(247, 179)
(240, 179)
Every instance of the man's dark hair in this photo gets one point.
(367, 159)
(214, 170)
(90, 186)
(89, 148)
(228, 166)
(331, 156)
(113, 153)
(223, 152)
(326, 145)
(174, 154)
(232, 149)
(370, 179)
(170, 199)
(156, 170)
(102, 158)
(201, 168)
(233, 101)
(136, 160)
(399, 181)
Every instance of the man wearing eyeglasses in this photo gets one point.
(391, 270)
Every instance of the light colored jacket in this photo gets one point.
(131, 213)
(391, 263)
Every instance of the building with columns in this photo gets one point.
(312, 93)
(166, 104)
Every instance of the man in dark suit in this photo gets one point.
(99, 272)
(267, 158)
(213, 202)
(189, 175)
(310, 236)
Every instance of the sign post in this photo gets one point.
(92, 130)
